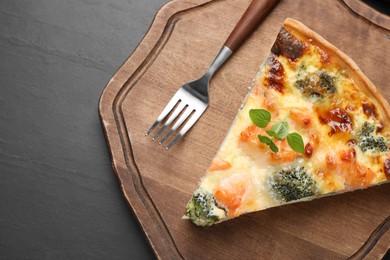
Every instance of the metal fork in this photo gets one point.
(192, 99)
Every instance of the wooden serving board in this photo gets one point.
(180, 45)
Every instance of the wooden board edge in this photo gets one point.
(369, 13)
(372, 240)
(157, 234)
(162, 247)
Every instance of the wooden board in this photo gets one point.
(181, 43)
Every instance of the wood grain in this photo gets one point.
(181, 43)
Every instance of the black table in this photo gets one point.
(59, 196)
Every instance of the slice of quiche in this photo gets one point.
(312, 125)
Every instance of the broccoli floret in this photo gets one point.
(292, 184)
(367, 129)
(367, 141)
(316, 85)
(201, 209)
(326, 82)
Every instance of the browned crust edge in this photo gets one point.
(354, 71)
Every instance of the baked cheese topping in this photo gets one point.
(344, 134)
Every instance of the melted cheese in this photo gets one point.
(334, 164)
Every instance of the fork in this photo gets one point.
(192, 99)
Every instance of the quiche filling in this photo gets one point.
(342, 124)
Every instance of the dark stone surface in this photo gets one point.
(59, 196)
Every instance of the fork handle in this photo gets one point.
(256, 12)
(252, 17)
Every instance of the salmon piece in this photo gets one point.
(249, 135)
(314, 139)
(231, 193)
(355, 174)
(302, 117)
(361, 176)
(285, 154)
(219, 165)
(271, 104)
(331, 161)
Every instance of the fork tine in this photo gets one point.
(171, 104)
(152, 127)
(168, 134)
(172, 117)
(186, 127)
(178, 123)
(175, 140)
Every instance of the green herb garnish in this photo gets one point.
(295, 141)
(260, 117)
(279, 130)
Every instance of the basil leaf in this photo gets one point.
(264, 139)
(295, 141)
(271, 133)
(280, 129)
(260, 117)
(273, 147)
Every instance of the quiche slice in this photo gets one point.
(312, 125)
